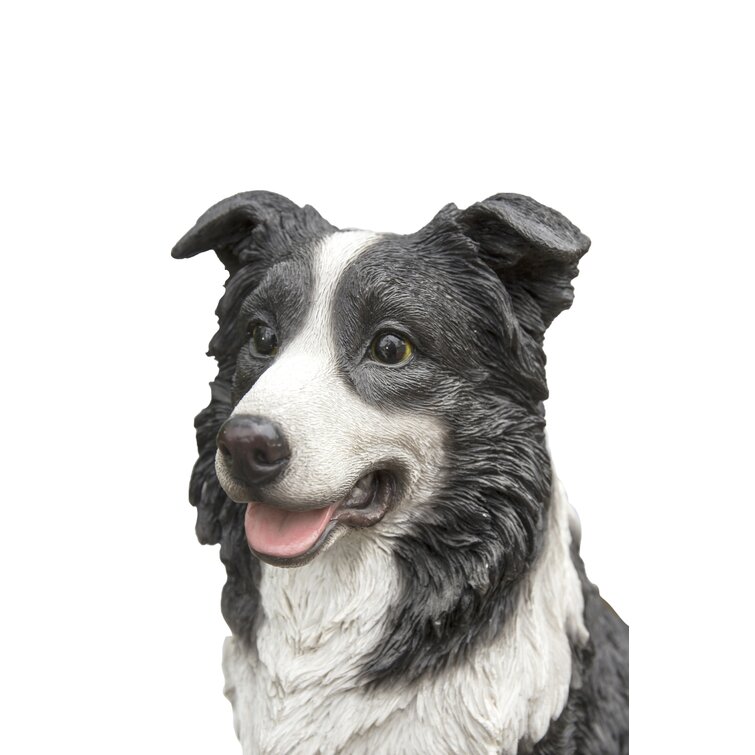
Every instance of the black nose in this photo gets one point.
(255, 448)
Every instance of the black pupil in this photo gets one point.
(265, 340)
(390, 348)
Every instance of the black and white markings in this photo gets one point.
(449, 621)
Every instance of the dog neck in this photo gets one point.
(299, 689)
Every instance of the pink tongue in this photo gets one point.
(277, 532)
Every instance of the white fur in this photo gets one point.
(334, 437)
(297, 690)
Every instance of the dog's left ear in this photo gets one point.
(534, 250)
(237, 227)
(230, 220)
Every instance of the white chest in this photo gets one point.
(298, 689)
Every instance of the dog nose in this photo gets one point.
(254, 447)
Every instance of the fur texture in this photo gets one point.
(304, 654)
(460, 620)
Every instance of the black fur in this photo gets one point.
(595, 720)
(476, 290)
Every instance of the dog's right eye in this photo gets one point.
(264, 341)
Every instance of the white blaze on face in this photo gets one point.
(334, 435)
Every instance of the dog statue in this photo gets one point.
(403, 566)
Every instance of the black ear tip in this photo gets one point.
(183, 249)
(584, 243)
(571, 245)
(188, 246)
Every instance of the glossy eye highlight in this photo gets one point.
(391, 348)
(264, 341)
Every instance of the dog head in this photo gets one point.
(387, 383)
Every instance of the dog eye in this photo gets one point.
(264, 340)
(391, 348)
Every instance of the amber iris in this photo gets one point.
(264, 340)
(391, 348)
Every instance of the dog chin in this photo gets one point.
(292, 535)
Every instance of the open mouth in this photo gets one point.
(286, 537)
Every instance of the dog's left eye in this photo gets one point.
(391, 348)
(264, 340)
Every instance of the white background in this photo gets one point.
(123, 122)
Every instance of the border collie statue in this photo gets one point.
(403, 566)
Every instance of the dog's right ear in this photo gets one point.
(230, 226)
